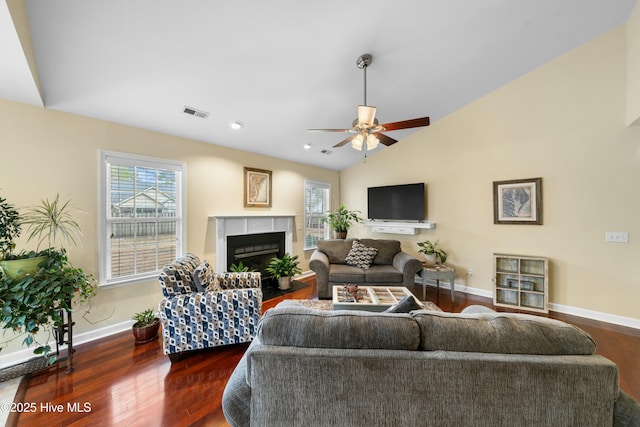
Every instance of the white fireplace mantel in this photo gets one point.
(236, 225)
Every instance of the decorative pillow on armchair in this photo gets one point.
(203, 276)
(360, 255)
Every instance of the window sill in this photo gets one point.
(129, 281)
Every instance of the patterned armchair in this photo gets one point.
(203, 309)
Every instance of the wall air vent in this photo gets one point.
(194, 112)
(327, 152)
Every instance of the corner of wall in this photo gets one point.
(633, 67)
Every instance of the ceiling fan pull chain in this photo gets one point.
(365, 150)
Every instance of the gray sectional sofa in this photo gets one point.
(390, 265)
(347, 368)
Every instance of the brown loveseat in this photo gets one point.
(390, 266)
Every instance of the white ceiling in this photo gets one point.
(281, 66)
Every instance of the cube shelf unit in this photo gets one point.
(521, 282)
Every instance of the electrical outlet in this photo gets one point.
(616, 236)
(469, 271)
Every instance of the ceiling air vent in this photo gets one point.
(197, 113)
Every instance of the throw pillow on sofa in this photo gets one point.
(405, 305)
(360, 255)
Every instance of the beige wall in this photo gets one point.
(44, 152)
(564, 122)
(633, 67)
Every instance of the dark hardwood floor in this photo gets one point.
(116, 383)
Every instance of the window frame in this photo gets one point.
(327, 203)
(108, 158)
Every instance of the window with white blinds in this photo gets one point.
(316, 205)
(141, 216)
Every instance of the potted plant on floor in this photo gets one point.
(36, 302)
(341, 220)
(146, 326)
(432, 253)
(283, 269)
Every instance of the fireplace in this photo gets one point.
(255, 250)
(244, 229)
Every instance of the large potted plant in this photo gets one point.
(341, 220)
(146, 326)
(35, 302)
(283, 269)
(432, 253)
(13, 265)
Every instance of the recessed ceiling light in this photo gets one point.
(307, 146)
(236, 125)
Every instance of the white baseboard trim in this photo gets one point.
(596, 315)
(560, 308)
(305, 274)
(25, 354)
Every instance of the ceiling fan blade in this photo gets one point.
(384, 139)
(346, 141)
(329, 130)
(406, 124)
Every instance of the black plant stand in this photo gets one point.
(66, 328)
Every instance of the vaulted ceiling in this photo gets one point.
(283, 66)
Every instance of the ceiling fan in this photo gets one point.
(365, 128)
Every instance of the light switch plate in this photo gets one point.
(617, 236)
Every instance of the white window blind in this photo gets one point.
(316, 205)
(142, 216)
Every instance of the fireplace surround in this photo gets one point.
(248, 234)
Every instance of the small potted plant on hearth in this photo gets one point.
(146, 326)
(340, 221)
(432, 253)
(283, 269)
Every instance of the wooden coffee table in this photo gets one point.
(374, 298)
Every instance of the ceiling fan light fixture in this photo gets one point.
(366, 115)
(372, 142)
(365, 127)
(357, 142)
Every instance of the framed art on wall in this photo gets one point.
(257, 188)
(517, 201)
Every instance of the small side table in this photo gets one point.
(437, 272)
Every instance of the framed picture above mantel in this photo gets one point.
(517, 201)
(257, 188)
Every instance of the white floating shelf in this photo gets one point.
(392, 227)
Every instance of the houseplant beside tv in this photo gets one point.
(283, 269)
(341, 220)
(432, 253)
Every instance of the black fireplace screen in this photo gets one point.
(255, 250)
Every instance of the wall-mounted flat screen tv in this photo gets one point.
(396, 202)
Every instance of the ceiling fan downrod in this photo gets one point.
(363, 62)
